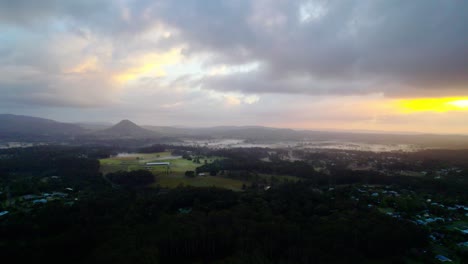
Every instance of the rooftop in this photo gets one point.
(158, 163)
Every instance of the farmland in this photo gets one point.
(135, 161)
(175, 175)
(168, 178)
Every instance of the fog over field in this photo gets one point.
(338, 145)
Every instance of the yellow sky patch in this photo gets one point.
(445, 104)
(87, 65)
(149, 65)
(232, 100)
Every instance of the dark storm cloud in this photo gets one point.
(260, 82)
(100, 16)
(404, 47)
(28, 12)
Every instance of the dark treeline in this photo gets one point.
(248, 161)
(337, 175)
(137, 178)
(297, 168)
(298, 222)
(24, 169)
(153, 148)
(293, 223)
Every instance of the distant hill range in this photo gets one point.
(257, 133)
(94, 125)
(267, 134)
(26, 128)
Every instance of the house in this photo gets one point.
(151, 164)
(458, 206)
(2, 213)
(463, 244)
(59, 194)
(420, 222)
(30, 196)
(432, 220)
(185, 210)
(40, 201)
(443, 258)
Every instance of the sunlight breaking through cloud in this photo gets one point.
(434, 104)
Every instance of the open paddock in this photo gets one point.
(168, 177)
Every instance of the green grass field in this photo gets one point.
(137, 161)
(176, 175)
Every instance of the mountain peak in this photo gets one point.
(127, 128)
(126, 122)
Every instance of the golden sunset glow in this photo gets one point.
(149, 64)
(87, 65)
(134, 73)
(434, 104)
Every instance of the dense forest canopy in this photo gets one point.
(292, 222)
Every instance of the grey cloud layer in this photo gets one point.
(399, 48)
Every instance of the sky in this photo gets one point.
(307, 64)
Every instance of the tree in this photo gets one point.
(131, 178)
(190, 174)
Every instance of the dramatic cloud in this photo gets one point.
(394, 47)
(209, 62)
